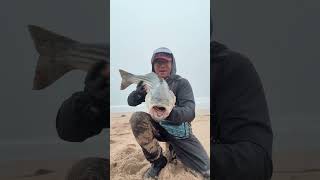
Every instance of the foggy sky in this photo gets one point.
(139, 27)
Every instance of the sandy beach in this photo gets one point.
(48, 161)
(127, 161)
(35, 169)
(126, 157)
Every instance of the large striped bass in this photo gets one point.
(160, 100)
(60, 54)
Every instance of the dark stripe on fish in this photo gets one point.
(102, 51)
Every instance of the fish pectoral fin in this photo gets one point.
(173, 96)
(147, 87)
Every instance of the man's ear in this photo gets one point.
(153, 67)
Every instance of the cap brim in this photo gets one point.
(162, 58)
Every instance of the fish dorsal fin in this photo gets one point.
(155, 79)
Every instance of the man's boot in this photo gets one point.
(170, 154)
(156, 166)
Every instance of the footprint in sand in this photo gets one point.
(131, 145)
(129, 150)
(140, 157)
(113, 165)
(133, 167)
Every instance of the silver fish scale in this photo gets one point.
(150, 79)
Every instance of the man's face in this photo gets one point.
(162, 68)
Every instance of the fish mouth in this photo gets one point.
(159, 108)
(159, 112)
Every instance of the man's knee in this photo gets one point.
(140, 122)
(139, 118)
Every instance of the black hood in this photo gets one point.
(217, 49)
(173, 65)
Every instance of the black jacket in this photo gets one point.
(241, 134)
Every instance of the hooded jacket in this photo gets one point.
(184, 110)
(241, 134)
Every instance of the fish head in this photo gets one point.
(160, 101)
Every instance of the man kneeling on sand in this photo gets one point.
(176, 129)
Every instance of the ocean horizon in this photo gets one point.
(201, 103)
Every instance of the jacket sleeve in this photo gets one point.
(184, 110)
(137, 96)
(80, 118)
(243, 148)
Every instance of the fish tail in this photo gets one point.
(48, 44)
(125, 79)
